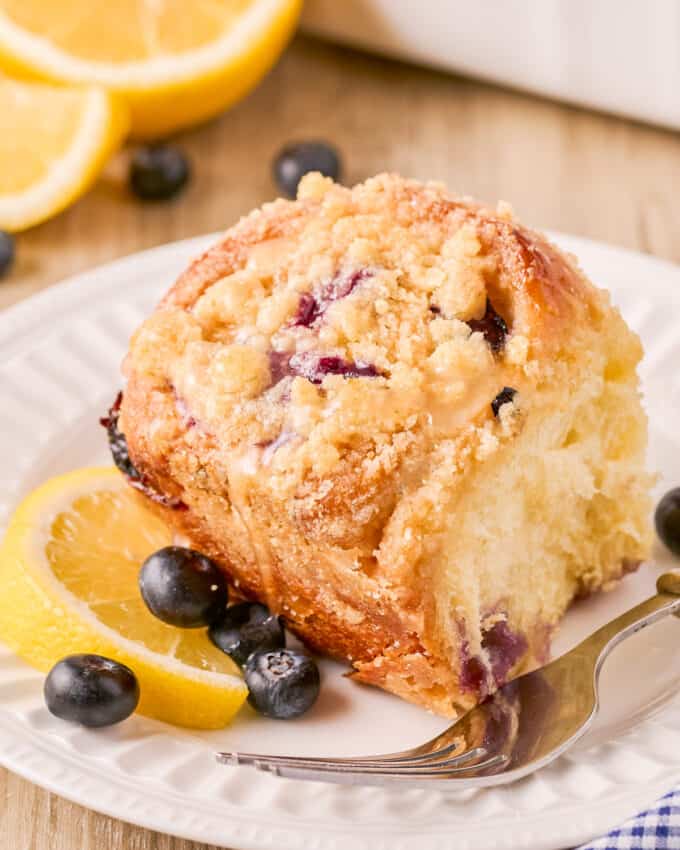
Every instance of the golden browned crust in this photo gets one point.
(331, 497)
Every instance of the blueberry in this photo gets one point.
(667, 519)
(297, 159)
(6, 252)
(246, 628)
(117, 441)
(312, 307)
(282, 683)
(505, 396)
(314, 367)
(91, 690)
(504, 648)
(158, 172)
(183, 588)
(340, 366)
(493, 326)
(308, 311)
(121, 457)
(279, 366)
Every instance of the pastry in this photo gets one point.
(406, 423)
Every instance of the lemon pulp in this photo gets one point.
(69, 570)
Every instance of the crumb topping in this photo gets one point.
(386, 310)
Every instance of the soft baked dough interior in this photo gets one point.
(559, 511)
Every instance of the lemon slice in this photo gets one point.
(68, 571)
(53, 143)
(175, 62)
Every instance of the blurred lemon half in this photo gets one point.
(53, 144)
(174, 62)
(68, 571)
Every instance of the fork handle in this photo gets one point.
(665, 603)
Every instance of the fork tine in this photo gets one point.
(445, 754)
(436, 749)
(329, 770)
(376, 761)
(438, 761)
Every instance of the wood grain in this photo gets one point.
(561, 167)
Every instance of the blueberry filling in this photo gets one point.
(505, 396)
(279, 366)
(315, 367)
(307, 312)
(472, 673)
(313, 306)
(493, 326)
(121, 458)
(503, 647)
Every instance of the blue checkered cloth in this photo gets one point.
(656, 829)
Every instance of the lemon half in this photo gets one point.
(174, 62)
(68, 571)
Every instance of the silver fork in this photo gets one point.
(524, 726)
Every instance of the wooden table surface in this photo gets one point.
(562, 168)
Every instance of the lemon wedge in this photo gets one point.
(54, 142)
(174, 62)
(68, 571)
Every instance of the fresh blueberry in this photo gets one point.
(297, 159)
(667, 519)
(6, 252)
(91, 690)
(158, 172)
(493, 326)
(282, 683)
(183, 588)
(246, 628)
(505, 396)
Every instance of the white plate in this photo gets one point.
(59, 358)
